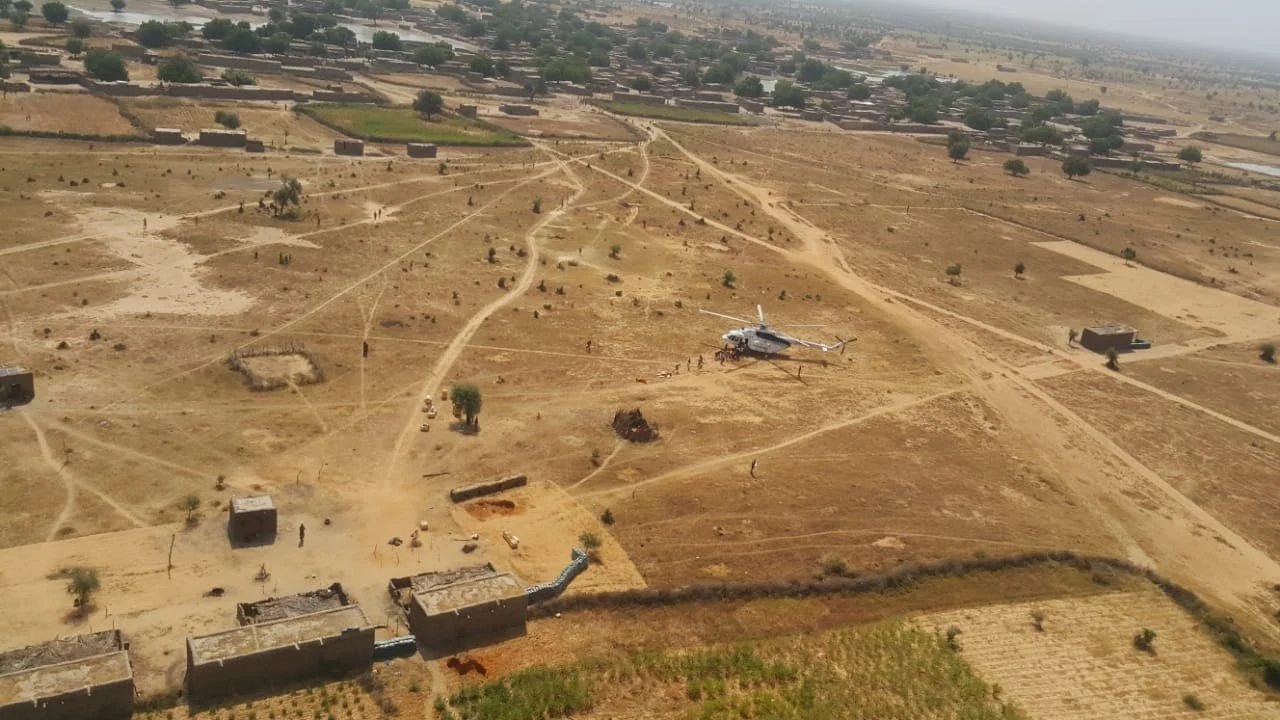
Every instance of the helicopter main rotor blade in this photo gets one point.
(786, 326)
(760, 312)
(726, 317)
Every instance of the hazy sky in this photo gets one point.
(1250, 25)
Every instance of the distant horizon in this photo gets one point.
(1234, 26)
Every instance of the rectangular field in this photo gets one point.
(402, 124)
(667, 112)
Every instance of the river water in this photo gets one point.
(364, 33)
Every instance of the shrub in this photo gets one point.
(1145, 641)
(590, 541)
(537, 206)
(228, 120)
(607, 517)
(179, 70)
(1016, 167)
(1019, 269)
(728, 279)
(612, 278)
(1037, 619)
(75, 46)
(953, 643)
(239, 77)
(1193, 702)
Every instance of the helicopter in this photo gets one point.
(764, 340)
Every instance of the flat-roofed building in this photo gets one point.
(261, 655)
(84, 676)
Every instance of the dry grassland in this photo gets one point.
(957, 422)
(73, 112)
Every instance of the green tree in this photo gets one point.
(238, 77)
(643, 83)
(242, 39)
(466, 402)
(980, 119)
(117, 5)
(859, 91)
(18, 19)
(383, 40)
(23, 6)
(483, 64)
(958, 150)
(75, 46)
(55, 13)
(178, 69)
(749, 87)
(153, 34)
(1190, 154)
(1075, 166)
(1045, 134)
(217, 29)
(1087, 107)
(428, 102)
(433, 55)
(289, 193)
(277, 44)
(81, 28)
(923, 110)
(787, 94)
(1016, 167)
(728, 279)
(190, 503)
(82, 584)
(105, 65)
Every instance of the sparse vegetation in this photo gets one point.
(238, 77)
(590, 541)
(1145, 640)
(728, 279)
(83, 582)
(1113, 359)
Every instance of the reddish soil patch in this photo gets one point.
(483, 509)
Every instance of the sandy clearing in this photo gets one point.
(1173, 297)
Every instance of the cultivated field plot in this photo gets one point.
(1083, 663)
(851, 673)
(71, 112)
(402, 124)
(273, 123)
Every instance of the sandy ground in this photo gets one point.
(938, 433)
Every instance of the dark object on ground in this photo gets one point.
(631, 425)
(395, 541)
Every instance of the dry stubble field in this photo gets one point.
(944, 430)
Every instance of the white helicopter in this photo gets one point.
(764, 340)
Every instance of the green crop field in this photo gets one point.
(403, 124)
(670, 112)
(886, 671)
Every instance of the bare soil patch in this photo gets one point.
(63, 112)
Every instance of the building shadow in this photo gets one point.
(239, 540)
(438, 650)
